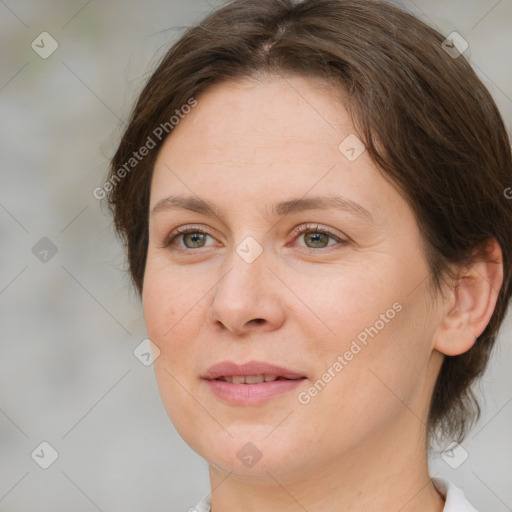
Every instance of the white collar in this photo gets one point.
(455, 501)
(454, 496)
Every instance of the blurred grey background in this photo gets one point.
(68, 318)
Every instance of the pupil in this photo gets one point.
(194, 237)
(315, 238)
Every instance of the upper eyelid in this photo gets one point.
(302, 228)
(201, 229)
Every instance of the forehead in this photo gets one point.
(270, 114)
(267, 139)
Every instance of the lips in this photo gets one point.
(253, 372)
(251, 384)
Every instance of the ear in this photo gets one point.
(471, 302)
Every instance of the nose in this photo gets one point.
(248, 298)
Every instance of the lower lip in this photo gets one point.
(251, 394)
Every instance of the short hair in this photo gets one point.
(425, 117)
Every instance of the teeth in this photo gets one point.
(254, 379)
(249, 379)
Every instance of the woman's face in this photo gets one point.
(343, 306)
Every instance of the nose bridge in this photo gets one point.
(247, 273)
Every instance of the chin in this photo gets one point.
(252, 455)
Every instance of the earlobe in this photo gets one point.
(471, 302)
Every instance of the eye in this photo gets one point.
(190, 236)
(317, 237)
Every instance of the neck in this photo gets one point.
(385, 472)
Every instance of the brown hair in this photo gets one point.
(425, 117)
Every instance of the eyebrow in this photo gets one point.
(281, 209)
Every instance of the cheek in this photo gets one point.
(386, 368)
(175, 303)
(173, 320)
(349, 302)
(378, 345)
(361, 388)
(172, 323)
(167, 299)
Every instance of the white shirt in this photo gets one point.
(455, 501)
(454, 496)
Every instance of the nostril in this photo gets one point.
(258, 320)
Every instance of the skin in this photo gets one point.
(360, 443)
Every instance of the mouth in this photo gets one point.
(252, 379)
(252, 372)
(250, 383)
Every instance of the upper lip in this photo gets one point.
(231, 369)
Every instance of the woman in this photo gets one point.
(313, 200)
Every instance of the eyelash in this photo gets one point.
(305, 228)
